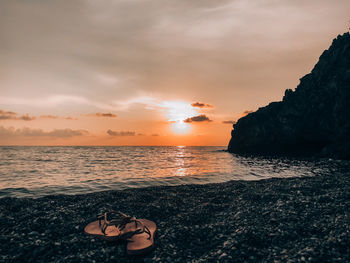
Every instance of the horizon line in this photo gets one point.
(113, 145)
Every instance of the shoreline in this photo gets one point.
(282, 220)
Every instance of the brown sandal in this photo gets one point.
(141, 241)
(112, 226)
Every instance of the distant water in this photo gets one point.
(39, 171)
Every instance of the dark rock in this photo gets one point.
(312, 120)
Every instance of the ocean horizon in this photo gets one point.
(36, 171)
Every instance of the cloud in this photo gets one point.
(70, 118)
(201, 105)
(4, 115)
(63, 133)
(48, 117)
(26, 118)
(148, 101)
(131, 48)
(246, 112)
(120, 133)
(106, 115)
(53, 101)
(57, 117)
(199, 118)
(228, 122)
(27, 132)
(10, 115)
(109, 115)
(155, 135)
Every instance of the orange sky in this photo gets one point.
(151, 72)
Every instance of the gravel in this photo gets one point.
(273, 220)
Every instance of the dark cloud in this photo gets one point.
(155, 134)
(141, 134)
(202, 105)
(228, 122)
(120, 133)
(10, 115)
(27, 132)
(106, 115)
(199, 118)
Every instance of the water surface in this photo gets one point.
(39, 171)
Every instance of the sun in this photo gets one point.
(180, 127)
(177, 112)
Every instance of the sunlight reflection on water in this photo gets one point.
(38, 171)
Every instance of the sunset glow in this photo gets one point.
(183, 130)
(178, 110)
(180, 127)
(123, 73)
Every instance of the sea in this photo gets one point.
(27, 171)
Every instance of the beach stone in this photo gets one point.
(304, 227)
(222, 255)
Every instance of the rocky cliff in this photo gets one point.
(312, 120)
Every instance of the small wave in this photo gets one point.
(32, 172)
(45, 160)
(14, 192)
(221, 150)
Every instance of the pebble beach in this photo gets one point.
(274, 220)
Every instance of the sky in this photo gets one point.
(152, 72)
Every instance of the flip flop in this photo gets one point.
(142, 240)
(112, 226)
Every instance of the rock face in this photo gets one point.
(312, 120)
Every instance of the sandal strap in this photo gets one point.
(119, 222)
(143, 229)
